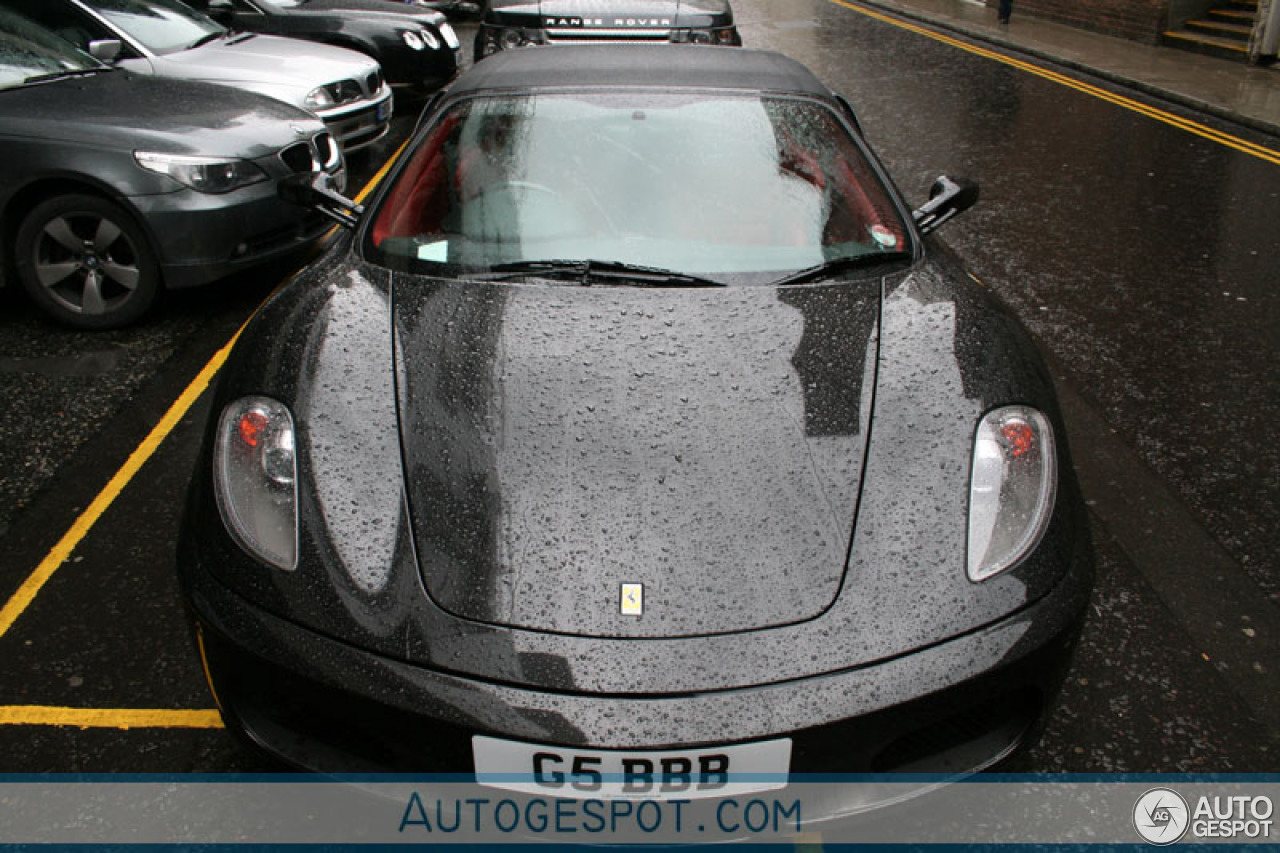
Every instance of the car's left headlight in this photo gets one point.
(203, 174)
(255, 478)
(1011, 488)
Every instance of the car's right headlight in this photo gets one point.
(255, 479)
(203, 174)
(1012, 486)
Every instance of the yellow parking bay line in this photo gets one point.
(108, 718)
(21, 600)
(1204, 131)
(62, 551)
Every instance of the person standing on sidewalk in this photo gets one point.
(1002, 14)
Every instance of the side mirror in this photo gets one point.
(850, 114)
(312, 190)
(221, 11)
(105, 50)
(947, 197)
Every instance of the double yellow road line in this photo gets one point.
(1201, 130)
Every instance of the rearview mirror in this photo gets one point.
(947, 197)
(313, 190)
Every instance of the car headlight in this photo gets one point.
(319, 98)
(255, 479)
(203, 174)
(420, 39)
(447, 33)
(724, 35)
(511, 38)
(1011, 488)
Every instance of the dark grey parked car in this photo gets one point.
(638, 438)
(113, 185)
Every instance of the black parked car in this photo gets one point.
(637, 422)
(508, 24)
(416, 47)
(113, 185)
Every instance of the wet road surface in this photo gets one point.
(1137, 252)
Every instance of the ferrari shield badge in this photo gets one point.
(632, 599)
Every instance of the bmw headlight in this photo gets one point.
(319, 98)
(203, 174)
(1011, 488)
(255, 479)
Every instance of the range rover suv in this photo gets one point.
(510, 24)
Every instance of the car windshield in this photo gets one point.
(738, 188)
(30, 54)
(161, 26)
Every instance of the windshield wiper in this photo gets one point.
(208, 37)
(589, 272)
(65, 75)
(835, 266)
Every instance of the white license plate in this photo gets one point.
(686, 774)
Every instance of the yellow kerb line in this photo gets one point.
(1198, 129)
(108, 718)
(21, 600)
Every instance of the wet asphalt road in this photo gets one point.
(1140, 256)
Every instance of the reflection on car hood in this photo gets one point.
(562, 441)
(120, 110)
(365, 9)
(267, 61)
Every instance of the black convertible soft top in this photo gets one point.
(665, 65)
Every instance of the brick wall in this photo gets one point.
(1140, 20)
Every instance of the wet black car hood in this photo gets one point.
(361, 10)
(415, 493)
(561, 441)
(117, 109)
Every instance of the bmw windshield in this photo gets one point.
(736, 188)
(162, 26)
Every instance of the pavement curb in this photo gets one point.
(1164, 93)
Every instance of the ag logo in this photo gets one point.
(1161, 816)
